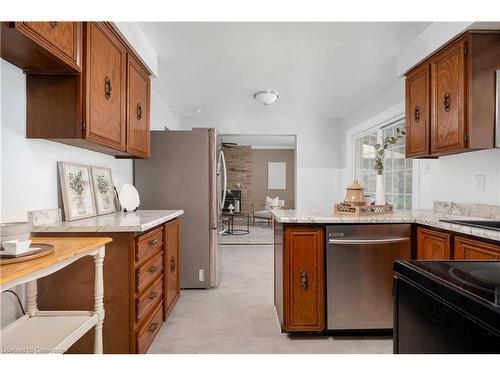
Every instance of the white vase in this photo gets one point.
(380, 191)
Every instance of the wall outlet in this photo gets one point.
(201, 275)
(479, 182)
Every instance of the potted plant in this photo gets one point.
(77, 184)
(380, 149)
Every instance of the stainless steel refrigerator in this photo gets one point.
(186, 171)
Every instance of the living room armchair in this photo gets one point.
(263, 211)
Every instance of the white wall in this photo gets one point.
(161, 114)
(29, 166)
(319, 151)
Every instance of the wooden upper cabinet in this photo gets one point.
(433, 244)
(106, 86)
(448, 129)
(462, 95)
(418, 112)
(138, 94)
(42, 47)
(304, 279)
(467, 249)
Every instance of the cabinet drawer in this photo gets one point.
(433, 244)
(149, 330)
(148, 245)
(149, 271)
(467, 249)
(148, 299)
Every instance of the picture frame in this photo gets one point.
(276, 175)
(76, 190)
(104, 191)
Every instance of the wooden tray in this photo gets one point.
(44, 249)
(343, 209)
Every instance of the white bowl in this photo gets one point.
(16, 247)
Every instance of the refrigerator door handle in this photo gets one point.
(223, 160)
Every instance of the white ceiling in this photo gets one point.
(261, 141)
(319, 69)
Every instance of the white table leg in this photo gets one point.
(31, 294)
(99, 299)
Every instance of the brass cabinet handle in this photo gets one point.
(139, 111)
(154, 242)
(304, 280)
(153, 327)
(153, 269)
(172, 264)
(447, 101)
(417, 114)
(107, 87)
(53, 24)
(153, 295)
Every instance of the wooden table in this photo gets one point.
(53, 331)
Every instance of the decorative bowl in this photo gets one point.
(20, 231)
(16, 247)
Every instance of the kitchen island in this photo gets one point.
(141, 275)
(300, 254)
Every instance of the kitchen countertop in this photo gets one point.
(424, 217)
(137, 221)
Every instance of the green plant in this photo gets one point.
(76, 182)
(381, 148)
(102, 184)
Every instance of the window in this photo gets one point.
(397, 169)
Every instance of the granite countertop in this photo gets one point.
(424, 217)
(137, 221)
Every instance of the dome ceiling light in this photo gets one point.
(266, 97)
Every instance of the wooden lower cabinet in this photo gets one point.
(135, 274)
(433, 244)
(468, 249)
(171, 234)
(300, 266)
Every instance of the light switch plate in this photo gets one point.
(479, 182)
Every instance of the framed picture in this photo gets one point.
(76, 190)
(276, 175)
(102, 182)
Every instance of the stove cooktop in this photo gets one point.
(480, 278)
(486, 224)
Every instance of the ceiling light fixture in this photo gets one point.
(266, 97)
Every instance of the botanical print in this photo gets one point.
(76, 191)
(104, 190)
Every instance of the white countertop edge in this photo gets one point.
(422, 217)
(92, 225)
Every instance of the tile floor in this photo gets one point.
(238, 316)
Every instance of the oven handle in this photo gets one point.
(367, 241)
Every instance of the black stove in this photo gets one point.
(485, 224)
(479, 278)
(447, 307)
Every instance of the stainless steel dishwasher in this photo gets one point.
(360, 258)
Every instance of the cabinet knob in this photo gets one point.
(154, 242)
(53, 24)
(139, 111)
(172, 264)
(107, 87)
(153, 327)
(153, 269)
(417, 114)
(447, 101)
(153, 295)
(304, 280)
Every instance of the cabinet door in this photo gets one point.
(417, 112)
(106, 75)
(172, 244)
(433, 245)
(138, 88)
(467, 249)
(304, 279)
(63, 39)
(448, 126)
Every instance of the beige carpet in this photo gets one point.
(260, 234)
(238, 316)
